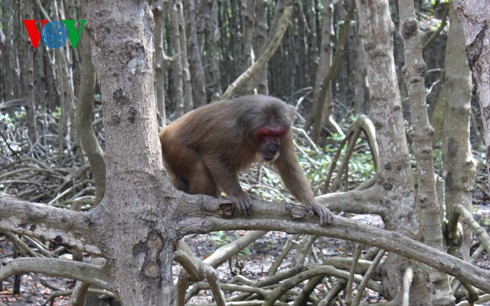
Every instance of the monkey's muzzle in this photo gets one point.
(271, 152)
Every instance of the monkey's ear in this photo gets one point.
(290, 114)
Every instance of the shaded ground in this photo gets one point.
(253, 263)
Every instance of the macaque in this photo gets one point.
(205, 149)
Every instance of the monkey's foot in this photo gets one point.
(244, 203)
(326, 216)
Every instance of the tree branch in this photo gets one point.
(367, 201)
(87, 273)
(275, 41)
(344, 229)
(49, 222)
(198, 270)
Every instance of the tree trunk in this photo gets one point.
(186, 75)
(67, 102)
(29, 84)
(321, 105)
(361, 92)
(195, 63)
(160, 11)
(247, 9)
(428, 204)
(177, 69)
(459, 165)
(136, 239)
(471, 14)
(209, 11)
(84, 118)
(326, 55)
(394, 174)
(260, 37)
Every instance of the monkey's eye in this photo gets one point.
(265, 132)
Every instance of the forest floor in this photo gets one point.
(253, 263)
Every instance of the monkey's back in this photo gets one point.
(225, 128)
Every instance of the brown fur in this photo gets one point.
(205, 149)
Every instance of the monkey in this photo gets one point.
(204, 150)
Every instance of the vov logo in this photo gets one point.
(54, 33)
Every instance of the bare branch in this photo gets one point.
(346, 229)
(198, 270)
(275, 41)
(49, 222)
(480, 232)
(87, 273)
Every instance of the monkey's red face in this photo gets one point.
(269, 139)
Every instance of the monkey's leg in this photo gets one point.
(188, 171)
(226, 178)
(200, 180)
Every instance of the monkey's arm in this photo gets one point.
(295, 180)
(227, 180)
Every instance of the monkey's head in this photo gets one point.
(269, 139)
(266, 123)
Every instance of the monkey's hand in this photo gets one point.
(243, 202)
(326, 216)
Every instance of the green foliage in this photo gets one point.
(437, 2)
(57, 112)
(222, 238)
(361, 165)
(317, 164)
(427, 4)
(335, 138)
(9, 121)
(6, 120)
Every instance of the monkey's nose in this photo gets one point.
(273, 148)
